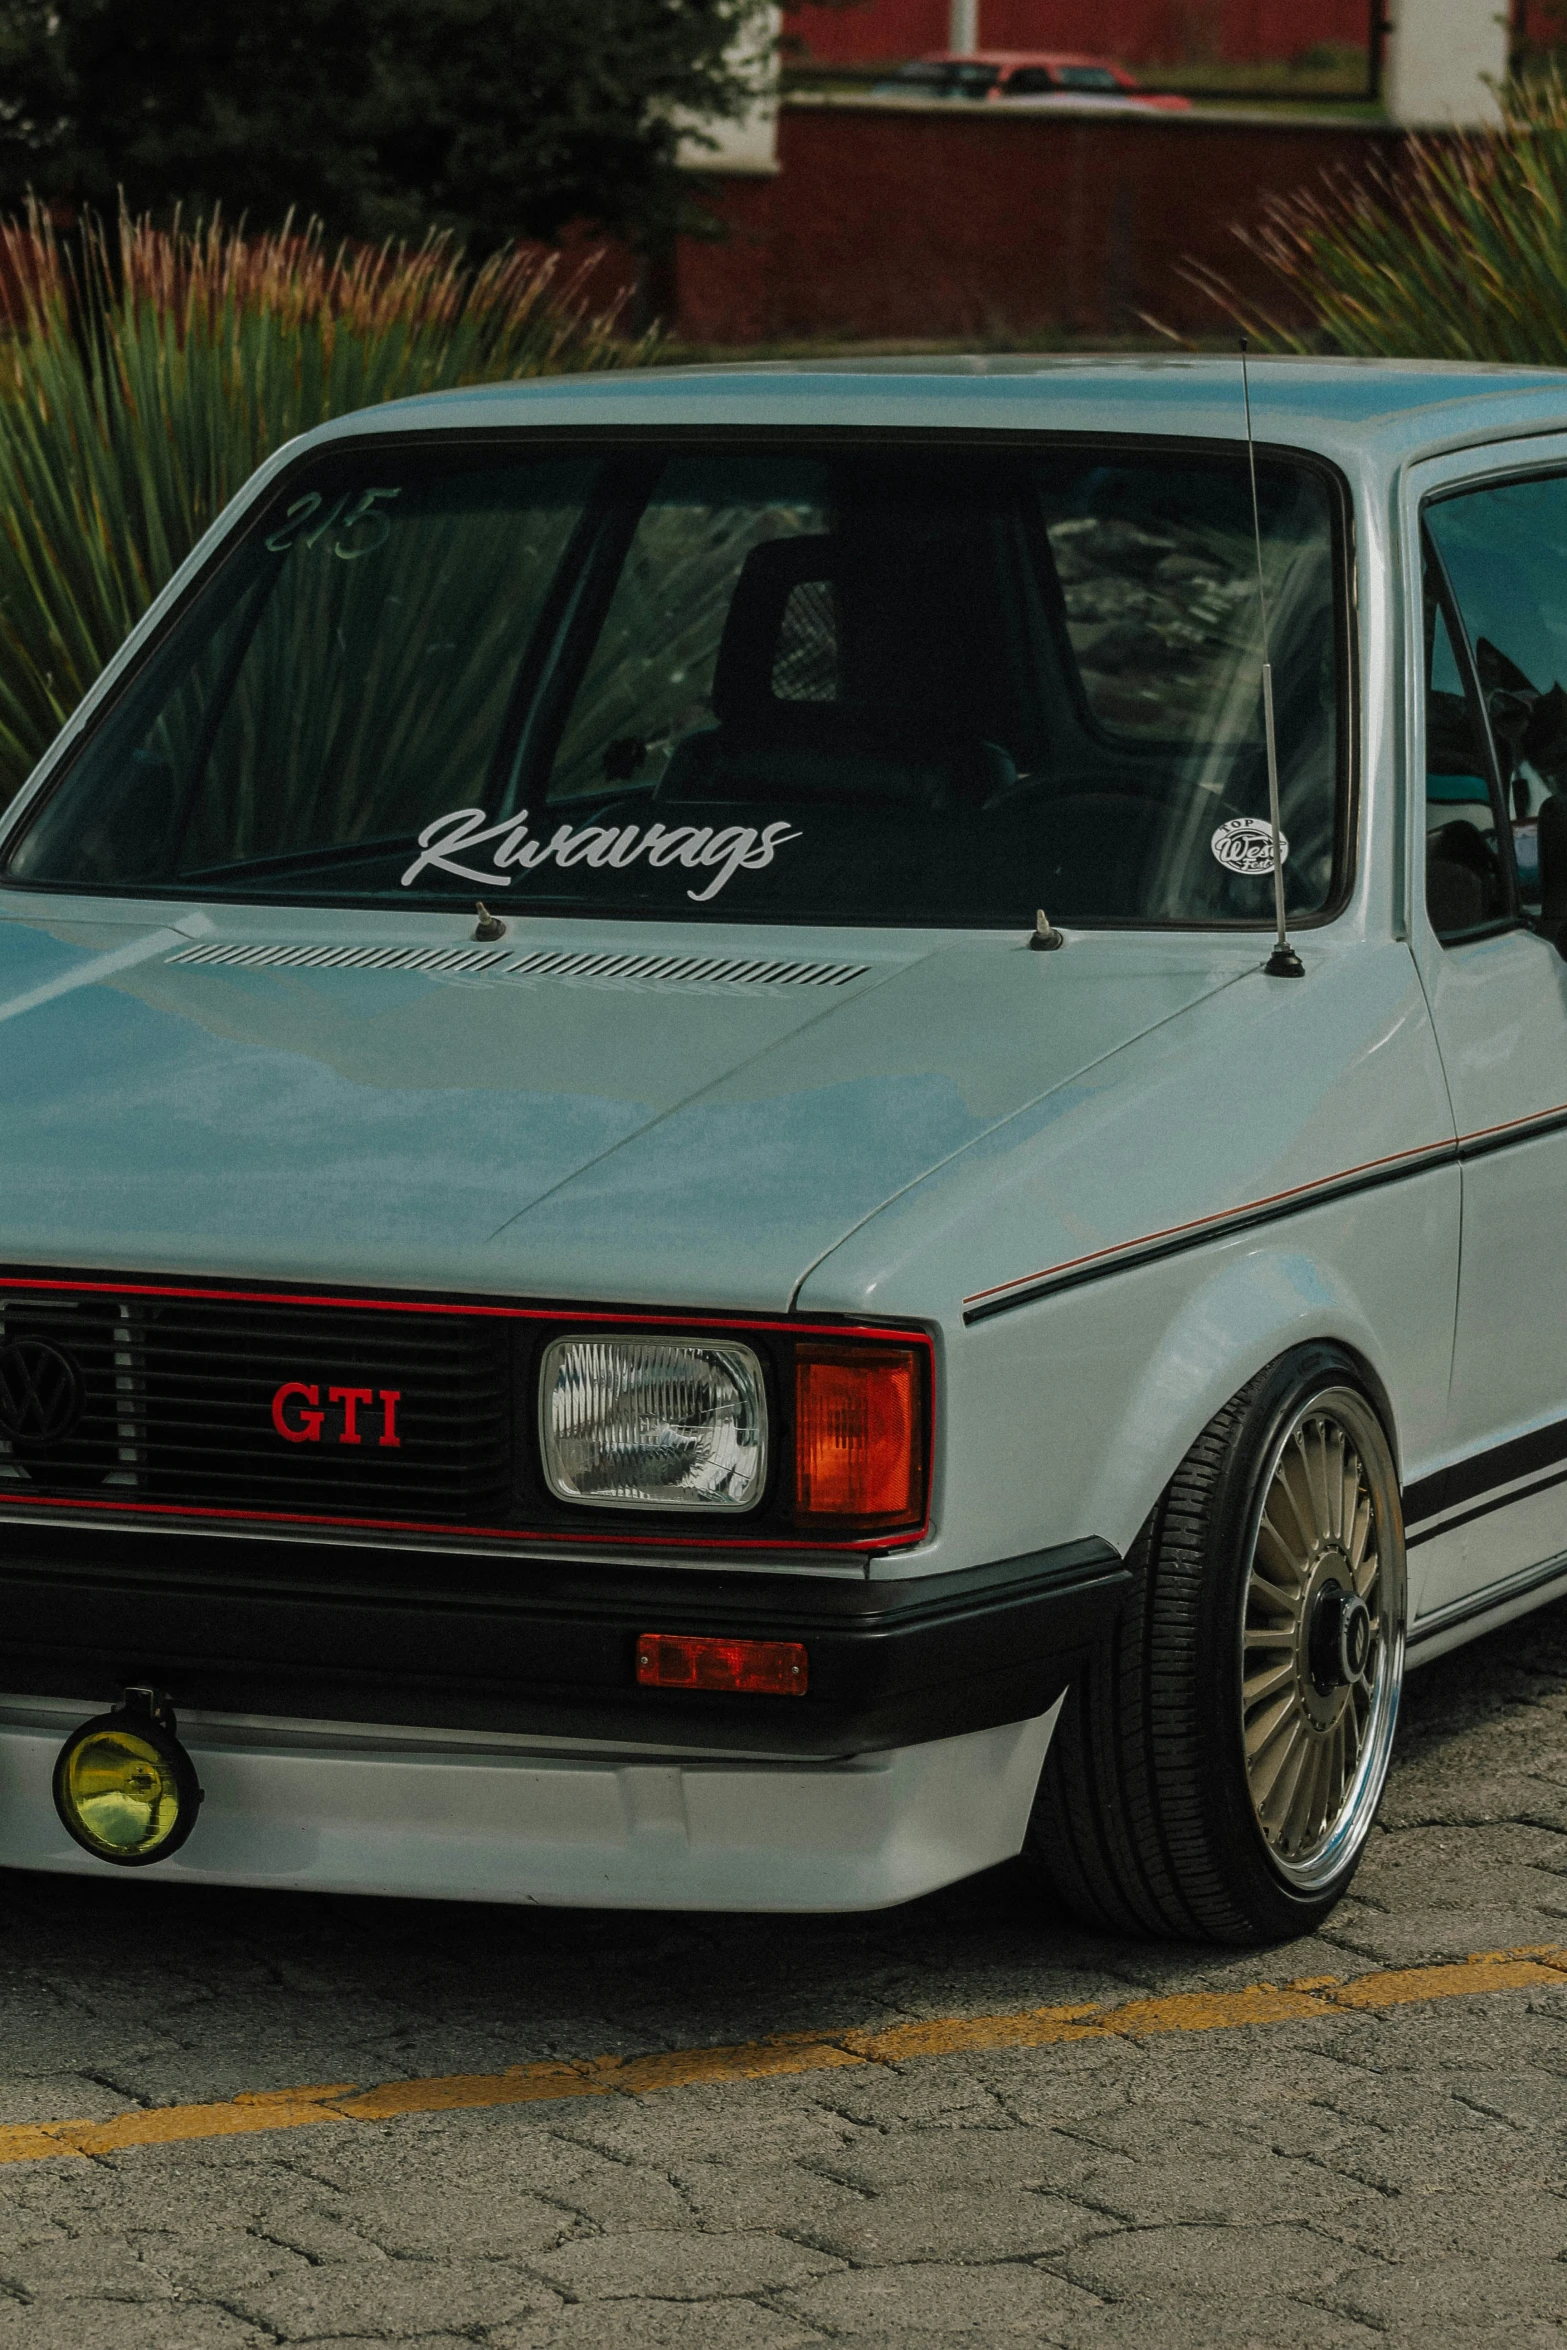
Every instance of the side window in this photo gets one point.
(1466, 884)
(1502, 553)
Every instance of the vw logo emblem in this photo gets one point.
(41, 1394)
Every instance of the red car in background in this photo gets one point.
(1020, 73)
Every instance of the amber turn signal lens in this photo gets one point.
(747, 1668)
(125, 1788)
(859, 1434)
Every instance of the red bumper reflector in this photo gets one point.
(750, 1668)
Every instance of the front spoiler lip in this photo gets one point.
(328, 1814)
(351, 1638)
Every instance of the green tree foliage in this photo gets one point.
(1456, 251)
(146, 375)
(492, 118)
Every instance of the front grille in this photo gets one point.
(171, 1401)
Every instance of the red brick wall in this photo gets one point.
(1141, 32)
(886, 222)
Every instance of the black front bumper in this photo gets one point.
(541, 1646)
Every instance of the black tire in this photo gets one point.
(1149, 1819)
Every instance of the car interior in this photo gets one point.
(905, 690)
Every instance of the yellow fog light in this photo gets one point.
(124, 1786)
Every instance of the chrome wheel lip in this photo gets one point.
(1333, 1854)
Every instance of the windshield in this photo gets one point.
(896, 684)
(942, 77)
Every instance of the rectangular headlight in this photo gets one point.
(653, 1423)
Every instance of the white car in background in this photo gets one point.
(584, 1315)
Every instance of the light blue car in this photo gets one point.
(674, 1230)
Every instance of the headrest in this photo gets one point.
(748, 648)
(1553, 858)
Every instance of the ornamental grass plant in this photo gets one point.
(1457, 251)
(145, 373)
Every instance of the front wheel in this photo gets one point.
(1217, 1769)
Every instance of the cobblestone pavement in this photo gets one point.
(1382, 2178)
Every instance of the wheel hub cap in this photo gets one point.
(1356, 1638)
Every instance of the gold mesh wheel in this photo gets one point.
(1322, 1637)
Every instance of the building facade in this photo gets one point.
(1139, 32)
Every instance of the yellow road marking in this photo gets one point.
(789, 2052)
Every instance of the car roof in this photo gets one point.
(1355, 411)
(1013, 57)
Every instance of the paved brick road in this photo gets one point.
(1390, 2178)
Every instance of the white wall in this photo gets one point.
(1439, 55)
(963, 24)
(749, 144)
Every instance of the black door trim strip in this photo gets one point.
(1223, 1226)
(1403, 1167)
(1491, 1601)
(1509, 1137)
(1477, 1480)
(1486, 1509)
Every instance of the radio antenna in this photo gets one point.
(1283, 963)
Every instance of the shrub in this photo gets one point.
(145, 374)
(1458, 252)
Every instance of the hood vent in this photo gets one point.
(686, 970)
(501, 963)
(254, 958)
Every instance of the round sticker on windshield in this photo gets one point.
(1245, 845)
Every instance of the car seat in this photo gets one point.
(1463, 880)
(787, 730)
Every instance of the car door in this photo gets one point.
(1492, 577)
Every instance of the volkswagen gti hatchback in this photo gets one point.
(667, 1234)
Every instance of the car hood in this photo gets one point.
(177, 1099)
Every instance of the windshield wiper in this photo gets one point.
(327, 858)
